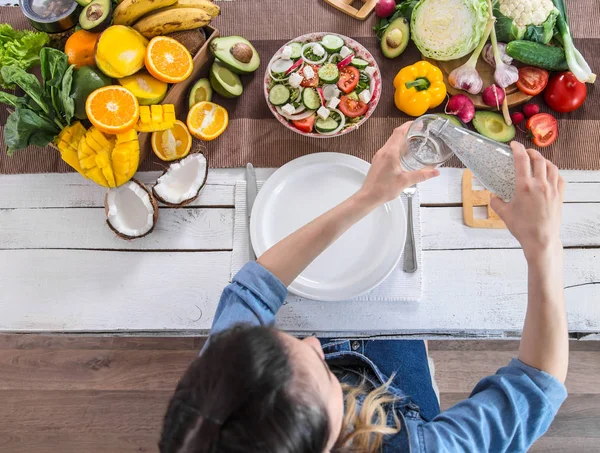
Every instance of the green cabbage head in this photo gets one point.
(448, 29)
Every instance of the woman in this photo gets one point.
(257, 389)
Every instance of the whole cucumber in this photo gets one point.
(537, 54)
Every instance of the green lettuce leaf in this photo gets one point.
(19, 48)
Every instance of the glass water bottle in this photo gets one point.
(433, 139)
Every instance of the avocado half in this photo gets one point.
(96, 16)
(492, 125)
(395, 38)
(236, 53)
(225, 82)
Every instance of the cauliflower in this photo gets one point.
(532, 20)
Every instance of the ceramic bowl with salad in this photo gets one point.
(322, 85)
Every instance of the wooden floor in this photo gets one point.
(63, 394)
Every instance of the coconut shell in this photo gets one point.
(154, 217)
(193, 40)
(189, 200)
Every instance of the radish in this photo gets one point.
(531, 109)
(461, 106)
(385, 8)
(493, 96)
(345, 62)
(295, 66)
(517, 118)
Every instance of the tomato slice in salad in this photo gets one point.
(305, 125)
(352, 107)
(532, 81)
(544, 129)
(313, 81)
(349, 77)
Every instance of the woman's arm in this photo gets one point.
(384, 182)
(534, 217)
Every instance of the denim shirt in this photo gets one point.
(506, 412)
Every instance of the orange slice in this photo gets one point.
(172, 144)
(168, 60)
(207, 120)
(112, 109)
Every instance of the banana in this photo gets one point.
(205, 5)
(172, 20)
(128, 11)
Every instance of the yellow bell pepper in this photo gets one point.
(419, 87)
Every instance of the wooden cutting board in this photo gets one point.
(514, 96)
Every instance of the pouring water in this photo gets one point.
(432, 140)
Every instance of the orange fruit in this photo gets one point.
(80, 48)
(207, 120)
(172, 144)
(168, 60)
(112, 109)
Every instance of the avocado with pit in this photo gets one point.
(96, 16)
(85, 80)
(201, 91)
(236, 54)
(395, 38)
(492, 125)
(225, 82)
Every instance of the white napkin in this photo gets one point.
(399, 286)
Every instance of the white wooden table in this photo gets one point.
(63, 270)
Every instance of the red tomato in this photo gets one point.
(532, 81)
(349, 77)
(352, 108)
(305, 125)
(565, 93)
(544, 129)
(313, 81)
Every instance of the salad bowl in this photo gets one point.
(322, 85)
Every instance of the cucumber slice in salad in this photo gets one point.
(326, 125)
(296, 50)
(329, 73)
(279, 95)
(332, 43)
(311, 99)
(359, 63)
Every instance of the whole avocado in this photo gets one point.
(85, 80)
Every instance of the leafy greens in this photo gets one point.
(19, 48)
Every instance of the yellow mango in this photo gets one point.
(156, 118)
(145, 88)
(120, 51)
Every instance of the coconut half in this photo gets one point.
(183, 180)
(131, 210)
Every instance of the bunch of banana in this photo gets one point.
(159, 17)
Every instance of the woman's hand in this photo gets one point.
(533, 216)
(387, 179)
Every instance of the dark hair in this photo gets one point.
(237, 397)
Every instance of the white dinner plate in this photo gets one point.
(307, 187)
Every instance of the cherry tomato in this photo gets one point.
(352, 108)
(349, 77)
(544, 129)
(532, 81)
(565, 93)
(305, 125)
(313, 81)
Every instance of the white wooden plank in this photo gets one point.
(70, 190)
(85, 228)
(71, 290)
(582, 186)
(465, 292)
(443, 228)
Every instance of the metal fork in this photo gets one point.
(410, 255)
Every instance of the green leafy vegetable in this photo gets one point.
(67, 101)
(24, 127)
(19, 48)
(27, 82)
(404, 9)
(363, 83)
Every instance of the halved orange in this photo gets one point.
(207, 120)
(112, 109)
(168, 60)
(172, 144)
